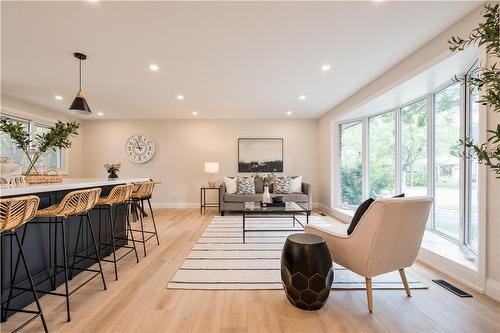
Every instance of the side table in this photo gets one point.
(203, 198)
(306, 271)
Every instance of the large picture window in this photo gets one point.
(415, 149)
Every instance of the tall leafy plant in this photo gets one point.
(58, 136)
(487, 81)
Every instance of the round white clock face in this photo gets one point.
(140, 148)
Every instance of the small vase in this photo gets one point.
(266, 197)
(112, 175)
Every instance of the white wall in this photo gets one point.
(182, 147)
(20, 108)
(431, 53)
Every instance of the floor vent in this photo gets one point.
(322, 214)
(452, 288)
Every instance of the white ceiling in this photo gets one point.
(229, 59)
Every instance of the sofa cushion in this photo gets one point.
(359, 214)
(297, 184)
(231, 184)
(242, 197)
(246, 185)
(294, 197)
(282, 185)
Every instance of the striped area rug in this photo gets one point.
(220, 260)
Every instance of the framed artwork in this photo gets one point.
(260, 155)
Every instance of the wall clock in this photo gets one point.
(140, 148)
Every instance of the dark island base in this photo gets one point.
(39, 246)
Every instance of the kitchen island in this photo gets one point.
(40, 241)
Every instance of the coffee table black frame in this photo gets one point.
(291, 208)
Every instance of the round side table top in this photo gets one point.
(306, 239)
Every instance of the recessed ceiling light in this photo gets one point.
(58, 97)
(154, 67)
(302, 97)
(180, 97)
(194, 113)
(100, 114)
(289, 113)
(325, 68)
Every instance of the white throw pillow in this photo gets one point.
(297, 184)
(231, 185)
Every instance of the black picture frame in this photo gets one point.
(260, 155)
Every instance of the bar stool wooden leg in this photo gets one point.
(32, 285)
(113, 248)
(154, 223)
(96, 249)
(65, 259)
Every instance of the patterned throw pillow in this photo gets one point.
(282, 185)
(246, 185)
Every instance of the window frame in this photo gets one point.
(465, 195)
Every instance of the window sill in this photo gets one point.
(447, 249)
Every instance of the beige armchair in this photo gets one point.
(387, 238)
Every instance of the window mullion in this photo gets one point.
(398, 151)
(365, 158)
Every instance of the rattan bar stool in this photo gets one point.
(76, 203)
(14, 213)
(143, 192)
(118, 197)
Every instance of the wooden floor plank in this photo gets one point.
(140, 302)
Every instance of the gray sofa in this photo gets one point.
(233, 202)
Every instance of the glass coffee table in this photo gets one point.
(255, 209)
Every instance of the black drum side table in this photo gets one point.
(203, 198)
(306, 271)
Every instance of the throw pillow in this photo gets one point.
(246, 185)
(231, 185)
(401, 195)
(359, 214)
(297, 184)
(282, 185)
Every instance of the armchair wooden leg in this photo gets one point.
(369, 293)
(405, 282)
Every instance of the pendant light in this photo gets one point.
(79, 104)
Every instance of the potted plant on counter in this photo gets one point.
(112, 169)
(57, 136)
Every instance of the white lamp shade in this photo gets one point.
(211, 167)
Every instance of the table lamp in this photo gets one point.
(211, 168)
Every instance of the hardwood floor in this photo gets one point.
(140, 302)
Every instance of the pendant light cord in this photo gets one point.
(80, 71)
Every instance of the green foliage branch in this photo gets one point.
(487, 81)
(58, 136)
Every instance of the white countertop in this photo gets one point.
(67, 184)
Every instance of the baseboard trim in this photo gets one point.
(493, 289)
(193, 205)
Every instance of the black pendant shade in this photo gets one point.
(79, 104)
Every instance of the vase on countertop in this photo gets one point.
(112, 175)
(266, 197)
